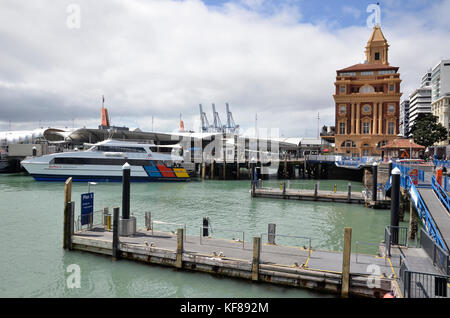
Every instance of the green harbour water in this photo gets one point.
(34, 264)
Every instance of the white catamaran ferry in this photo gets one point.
(103, 162)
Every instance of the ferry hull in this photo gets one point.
(83, 173)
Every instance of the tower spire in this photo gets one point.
(377, 47)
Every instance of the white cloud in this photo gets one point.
(163, 58)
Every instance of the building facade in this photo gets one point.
(404, 118)
(367, 102)
(440, 95)
(419, 102)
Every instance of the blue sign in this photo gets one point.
(87, 207)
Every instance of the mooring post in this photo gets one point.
(67, 199)
(203, 170)
(179, 259)
(68, 225)
(115, 242)
(211, 173)
(256, 257)
(349, 194)
(375, 182)
(253, 175)
(205, 231)
(126, 171)
(346, 261)
(316, 189)
(271, 233)
(148, 221)
(395, 204)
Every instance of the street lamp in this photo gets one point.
(89, 186)
(410, 147)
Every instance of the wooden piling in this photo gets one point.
(211, 174)
(256, 257)
(203, 170)
(68, 225)
(346, 261)
(179, 257)
(271, 233)
(238, 171)
(115, 242)
(349, 195)
(148, 221)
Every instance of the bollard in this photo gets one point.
(148, 221)
(179, 257)
(374, 181)
(395, 204)
(108, 222)
(126, 191)
(115, 243)
(346, 261)
(205, 227)
(105, 215)
(256, 257)
(349, 194)
(271, 233)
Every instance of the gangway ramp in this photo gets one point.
(439, 213)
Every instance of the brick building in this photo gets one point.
(367, 101)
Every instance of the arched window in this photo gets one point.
(366, 89)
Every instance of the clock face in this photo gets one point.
(391, 108)
(342, 109)
(366, 108)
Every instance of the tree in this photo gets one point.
(426, 130)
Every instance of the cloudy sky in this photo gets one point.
(162, 58)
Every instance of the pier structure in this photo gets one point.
(398, 267)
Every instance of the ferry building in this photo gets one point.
(367, 101)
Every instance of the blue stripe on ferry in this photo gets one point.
(152, 171)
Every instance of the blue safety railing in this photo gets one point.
(441, 193)
(442, 163)
(425, 214)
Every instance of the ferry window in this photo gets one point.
(121, 149)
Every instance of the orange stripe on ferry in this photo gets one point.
(166, 172)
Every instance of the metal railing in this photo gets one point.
(422, 285)
(358, 243)
(425, 215)
(441, 193)
(95, 219)
(169, 223)
(289, 236)
(394, 235)
(223, 230)
(440, 257)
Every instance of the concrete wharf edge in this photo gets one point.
(315, 279)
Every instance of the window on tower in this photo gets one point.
(377, 56)
(391, 128)
(366, 128)
(342, 128)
